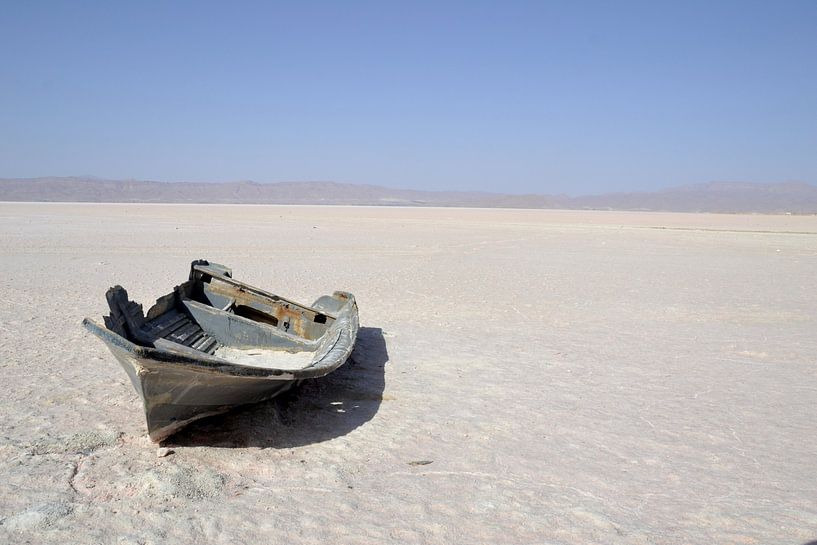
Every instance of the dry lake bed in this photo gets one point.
(521, 376)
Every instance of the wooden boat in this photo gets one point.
(214, 343)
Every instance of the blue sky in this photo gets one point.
(540, 97)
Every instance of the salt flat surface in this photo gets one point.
(572, 377)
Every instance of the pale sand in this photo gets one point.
(574, 377)
(266, 359)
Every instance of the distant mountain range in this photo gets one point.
(727, 197)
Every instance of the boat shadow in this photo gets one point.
(315, 411)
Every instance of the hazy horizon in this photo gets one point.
(516, 98)
(497, 191)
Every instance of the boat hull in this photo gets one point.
(174, 396)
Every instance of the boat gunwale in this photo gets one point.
(327, 363)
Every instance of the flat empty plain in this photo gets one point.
(520, 377)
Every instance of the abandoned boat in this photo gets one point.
(214, 343)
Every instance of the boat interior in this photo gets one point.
(212, 312)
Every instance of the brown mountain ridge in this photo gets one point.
(726, 197)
